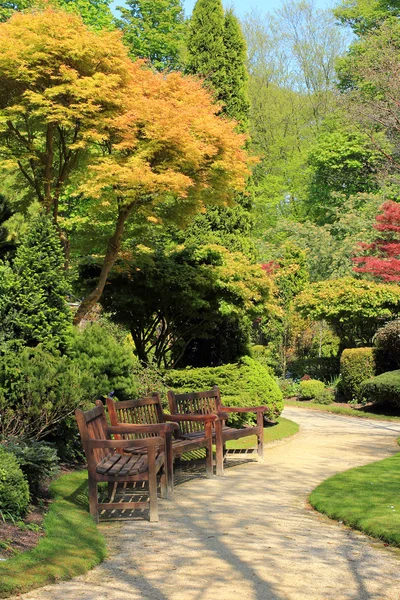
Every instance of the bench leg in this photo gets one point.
(260, 437)
(164, 486)
(169, 464)
(220, 448)
(152, 484)
(209, 452)
(93, 500)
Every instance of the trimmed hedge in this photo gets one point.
(387, 351)
(14, 489)
(382, 389)
(324, 369)
(356, 365)
(246, 383)
(311, 388)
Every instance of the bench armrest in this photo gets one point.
(181, 417)
(232, 409)
(125, 428)
(144, 442)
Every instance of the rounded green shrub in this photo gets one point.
(311, 388)
(356, 365)
(382, 389)
(14, 489)
(327, 396)
(387, 347)
(246, 383)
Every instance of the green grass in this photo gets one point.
(72, 544)
(365, 498)
(283, 429)
(341, 410)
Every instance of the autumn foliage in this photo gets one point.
(382, 259)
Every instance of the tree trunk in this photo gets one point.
(113, 247)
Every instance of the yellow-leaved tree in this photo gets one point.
(74, 107)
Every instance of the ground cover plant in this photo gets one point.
(72, 543)
(342, 409)
(365, 498)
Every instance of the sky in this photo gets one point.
(241, 7)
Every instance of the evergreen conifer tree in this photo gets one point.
(205, 44)
(33, 308)
(154, 29)
(235, 94)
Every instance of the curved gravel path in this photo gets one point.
(250, 535)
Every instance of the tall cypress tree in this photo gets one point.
(154, 29)
(205, 44)
(236, 93)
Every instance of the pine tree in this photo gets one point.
(236, 95)
(33, 308)
(154, 29)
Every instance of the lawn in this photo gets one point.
(71, 546)
(365, 498)
(342, 410)
(284, 428)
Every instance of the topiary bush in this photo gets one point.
(38, 461)
(14, 489)
(246, 383)
(382, 389)
(387, 347)
(356, 365)
(311, 388)
(326, 396)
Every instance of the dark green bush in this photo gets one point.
(14, 489)
(324, 369)
(246, 383)
(38, 388)
(382, 389)
(387, 351)
(106, 363)
(38, 461)
(326, 396)
(356, 365)
(311, 388)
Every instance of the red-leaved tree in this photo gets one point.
(382, 257)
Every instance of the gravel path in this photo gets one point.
(250, 535)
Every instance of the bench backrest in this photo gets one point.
(92, 425)
(194, 403)
(143, 411)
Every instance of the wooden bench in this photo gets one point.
(209, 402)
(107, 461)
(149, 411)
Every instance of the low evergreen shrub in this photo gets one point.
(14, 489)
(38, 461)
(289, 388)
(326, 396)
(311, 388)
(382, 389)
(246, 383)
(356, 365)
(387, 347)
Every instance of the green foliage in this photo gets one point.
(365, 15)
(387, 347)
(289, 388)
(353, 308)
(235, 95)
(154, 29)
(33, 291)
(356, 365)
(246, 383)
(38, 389)
(106, 364)
(38, 461)
(382, 389)
(95, 13)
(14, 489)
(324, 368)
(325, 397)
(311, 388)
